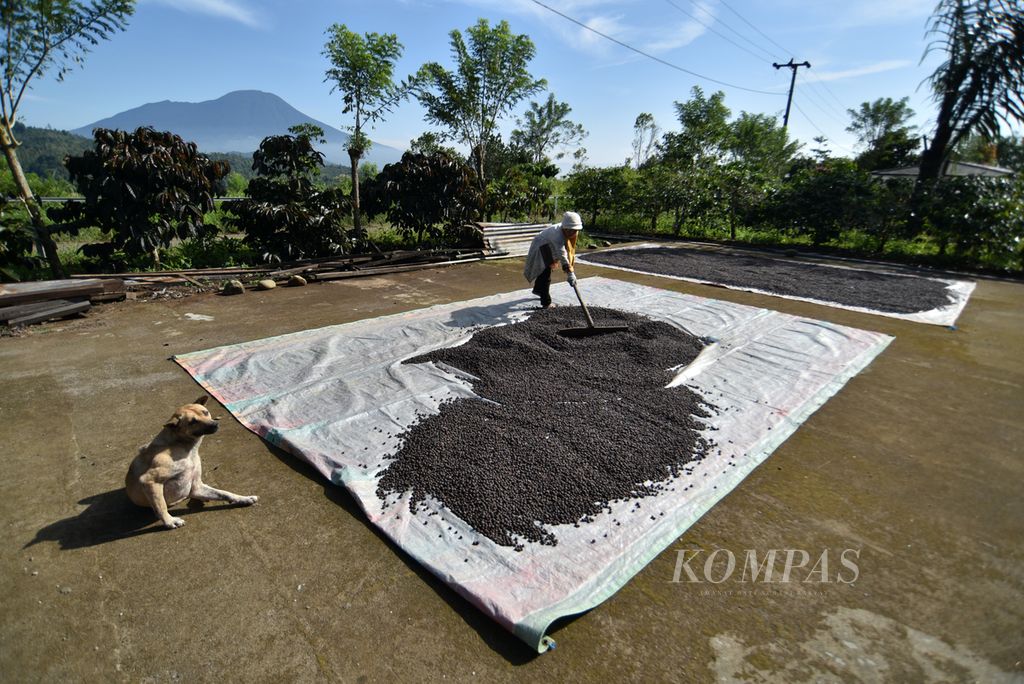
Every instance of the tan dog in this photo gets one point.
(167, 470)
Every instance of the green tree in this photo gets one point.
(596, 190)
(546, 126)
(16, 258)
(882, 130)
(522, 191)
(979, 216)
(651, 192)
(759, 154)
(1010, 153)
(496, 158)
(979, 85)
(823, 200)
(42, 36)
(490, 78)
(286, 215)
(705, 130)
(362, 68)
(821, 153)
(645, 138)
(887, 210)
(147, 188)
(696, 154)
(429, 143)
(426, 196)
(236, 183)
(760, 145)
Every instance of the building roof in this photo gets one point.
(954, 168)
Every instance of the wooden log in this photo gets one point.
(284, 273)
(9, 312)
(387, 270)
(59, 309)
(12, 294)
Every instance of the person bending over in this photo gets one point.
(555, 245)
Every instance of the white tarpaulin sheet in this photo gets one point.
(328, 395)
(958, 291)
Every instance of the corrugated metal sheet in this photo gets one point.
(509, 239)
(952, 169)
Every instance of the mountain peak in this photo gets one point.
(234, 122)
(248, 95)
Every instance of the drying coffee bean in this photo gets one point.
(571, 425)
(846, 286)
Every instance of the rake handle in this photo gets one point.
(586, 311)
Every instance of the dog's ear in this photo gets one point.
(172, 423)
(201, 400)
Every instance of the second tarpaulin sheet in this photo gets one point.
(938, 301)
(340, 398)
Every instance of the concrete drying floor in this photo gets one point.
(916, 464)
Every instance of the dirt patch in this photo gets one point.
(567, 425)
(848, 287)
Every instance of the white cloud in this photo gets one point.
(878, 67)
(659, 38)
(672, 38)
(225, 9)
(608, 25)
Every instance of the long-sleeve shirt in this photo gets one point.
(558, 248)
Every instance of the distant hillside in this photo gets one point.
(236, 122)
(242, 163)
(43, 150)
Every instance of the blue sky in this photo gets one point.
(195, 50)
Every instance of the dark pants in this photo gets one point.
(541, 286)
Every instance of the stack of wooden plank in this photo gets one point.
(44, 300)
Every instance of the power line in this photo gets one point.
(716, 32)
(765, 35)
(818, 128)
(824, 85)
(725, 24)
(815, 81)
(819, 100)
(650, 56)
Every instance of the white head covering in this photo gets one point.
(572, 221)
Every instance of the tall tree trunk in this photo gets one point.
(933, 158)
(353, 155)
(480, 171)
(46, 244)
(732, 218)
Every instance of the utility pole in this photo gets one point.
(792, 83)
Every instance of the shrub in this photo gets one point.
(284, 215)
(981, 217)
(16, 258)
(823, 200)
(147, 188)
(426, 196)
(593, 191)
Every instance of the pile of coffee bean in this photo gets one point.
(847, 286)
(567, 425)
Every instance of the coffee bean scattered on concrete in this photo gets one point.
(849, 287)
(568, 425)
